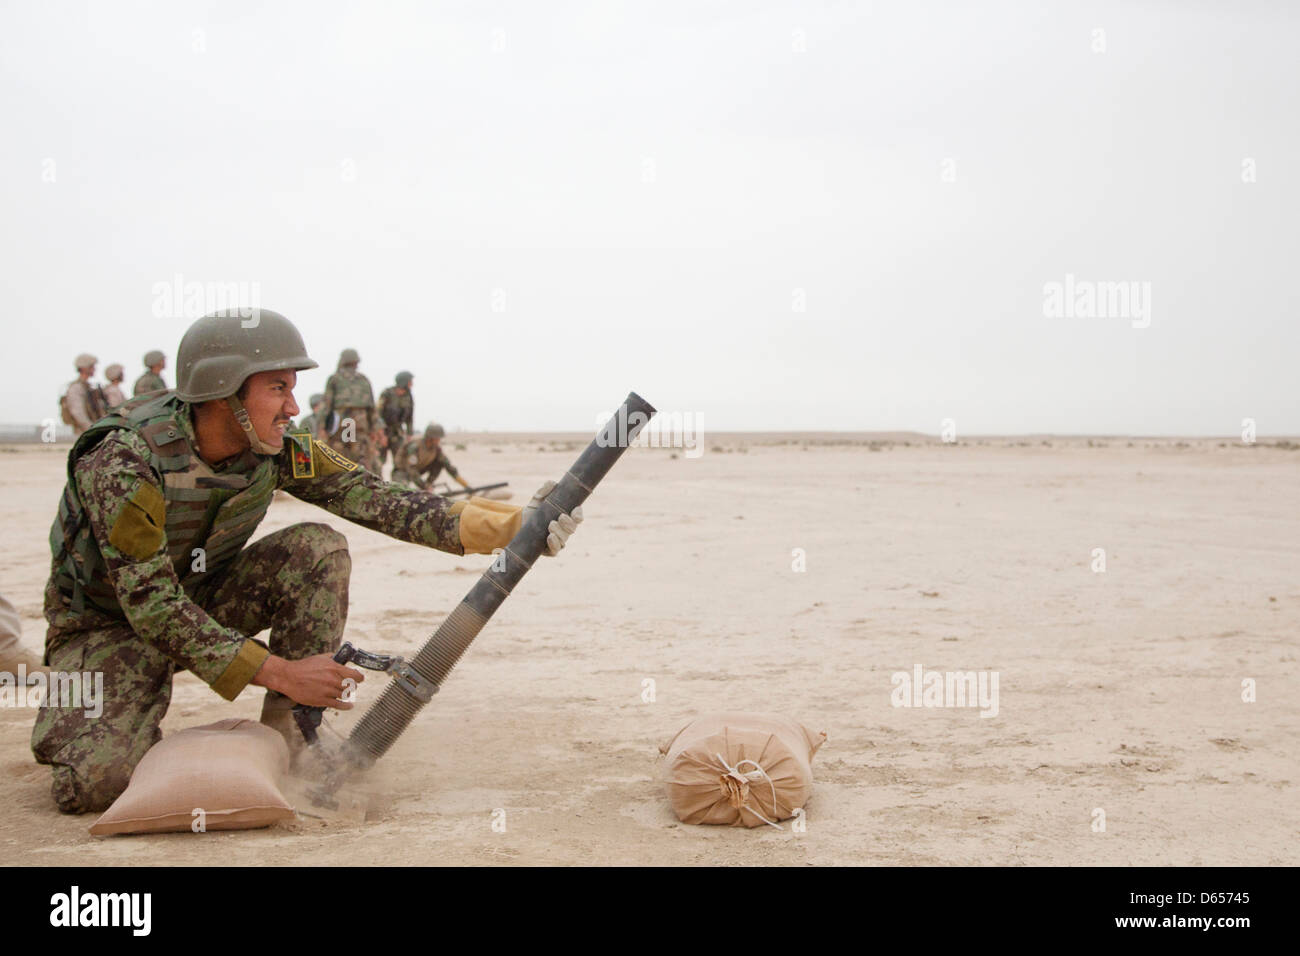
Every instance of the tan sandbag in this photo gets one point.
(230, 770)
(740, 770)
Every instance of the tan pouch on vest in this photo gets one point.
(485, 525)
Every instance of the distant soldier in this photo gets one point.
(397, 412)
(152, 380)
(349, 396)
(113, 393)
(83, 401)
(422, 460)
(309, 422)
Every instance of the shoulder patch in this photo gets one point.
(333, 461)
(328, 461)
(138, 530)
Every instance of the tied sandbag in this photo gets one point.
(229, 770)
(740, 770)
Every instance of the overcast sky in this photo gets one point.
(770, 215)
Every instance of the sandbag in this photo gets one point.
(229, 770)
(740, 770)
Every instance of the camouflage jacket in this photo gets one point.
(397, 412)
(140, 501)
(348, 388)
(148, 382)
(423, 464)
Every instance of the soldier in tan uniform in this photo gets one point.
(349, 396)
(84, 402)
(151, 380)
(113, 394)
(12, 653)
(152, 572)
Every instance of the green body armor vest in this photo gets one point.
(217, 513)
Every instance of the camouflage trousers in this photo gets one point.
(362, 449)
(293, 581)
(396, 439)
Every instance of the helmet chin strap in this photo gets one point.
(255, 442)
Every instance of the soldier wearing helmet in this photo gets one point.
(113, 394)
(397, 412)
(151, 380)
(309, 423)
(422, 460)
(83, 402)
(153, 572)
(348, 396)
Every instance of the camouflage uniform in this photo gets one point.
(128, 596)
(349, 396)
(421, 465)
(310, 423)
(150, 381)
(397, 413)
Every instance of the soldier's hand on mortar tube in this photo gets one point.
(561, 527)
(315, 681)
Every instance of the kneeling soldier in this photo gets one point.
(151, 574)
(422, 460)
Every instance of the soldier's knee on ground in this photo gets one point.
(91, 786)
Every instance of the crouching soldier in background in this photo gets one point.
(151, 575)
(422, 460)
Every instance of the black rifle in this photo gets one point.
(419, 679)
(473, 491)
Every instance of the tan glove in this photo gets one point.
(486, 524)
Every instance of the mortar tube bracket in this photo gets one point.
(412, 681)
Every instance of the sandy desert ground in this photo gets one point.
(1119, 690)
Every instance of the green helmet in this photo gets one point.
(349, 357)
(316, 399)
(152, 358)
(404, 379)
(434, 431)
(221, 350)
